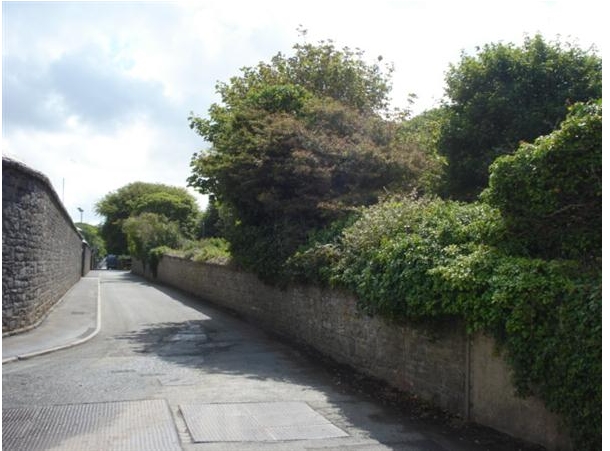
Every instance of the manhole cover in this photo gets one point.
(268, 421)
(125, 426)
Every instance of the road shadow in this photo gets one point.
(222, 342)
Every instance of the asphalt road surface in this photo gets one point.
(169, 372)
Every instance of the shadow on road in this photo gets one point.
(222, 343)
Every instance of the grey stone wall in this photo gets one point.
(462, 374)
(87, 259)
(494, 404)
(42, 252)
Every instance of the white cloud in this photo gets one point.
(98, 93)
(84, 165)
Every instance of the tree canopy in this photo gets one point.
(297, 143)
(173, 203)
(147, 231)
(506, 94)
(93, 236)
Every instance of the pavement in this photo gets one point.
(75, 319)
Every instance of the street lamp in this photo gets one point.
(81, 213)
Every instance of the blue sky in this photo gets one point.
(97, 94)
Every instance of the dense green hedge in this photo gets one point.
(429, 259)
(550, 192)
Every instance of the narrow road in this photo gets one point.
(168, 372)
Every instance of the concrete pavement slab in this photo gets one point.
(74, 320)
(265, 421)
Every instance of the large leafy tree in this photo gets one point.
(173, 203)
(296, 143)
(507, 94)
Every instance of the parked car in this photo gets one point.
(112, 261)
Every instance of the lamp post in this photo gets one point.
(81, 213)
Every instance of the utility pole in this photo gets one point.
(81, 213)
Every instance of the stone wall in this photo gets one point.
(462, 374)
(42, 252)
(494, 404)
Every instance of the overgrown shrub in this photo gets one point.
(154, 256)
(148, 231)
(388, 256)
(429, 259)
(505, 94)
(296, 143)
(313, 261)
(550, 192)
(206, 250)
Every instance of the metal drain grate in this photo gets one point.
(114, 426)
(268, 421)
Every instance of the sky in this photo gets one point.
(97, 95)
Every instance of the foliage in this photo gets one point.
(211, 219)
(312, 262)
(301, 154)
(296, 144)
(506, 94)
(426, 259)
(148, 231)
(423, 132)
(550, 192)
(124, 262)
(93, 236)
(321, 70)
(154, 256)
(553, 334)
(387, 256)
(215, 250)
(174, 203)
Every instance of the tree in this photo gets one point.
(174, 203)
(147, 231)
(550, 192)
(504, 95)
(423, 132)
(93, 236)
(296, 144)
(211, 220)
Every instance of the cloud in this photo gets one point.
(82, 85)
(95, 91)
(88, 95)
(27, 96)
(84, 163)
(98, 93)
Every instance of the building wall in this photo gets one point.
(42, 252)
(462, 374)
